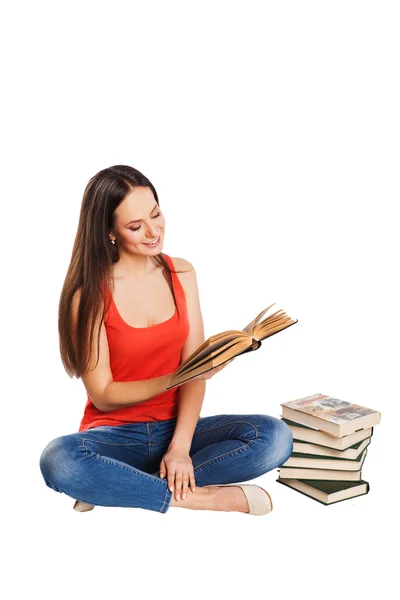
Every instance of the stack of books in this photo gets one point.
(330, 440)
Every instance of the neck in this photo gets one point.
(134, 267)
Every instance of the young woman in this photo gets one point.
(129, 314)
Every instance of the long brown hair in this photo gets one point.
(91, 261)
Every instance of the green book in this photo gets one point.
(327, 492)
(312, 461)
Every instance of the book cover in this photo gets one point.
(334, 416)
(327, 492)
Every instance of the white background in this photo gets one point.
(271, 133)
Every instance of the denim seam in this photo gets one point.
(127, 425)
(165, 503)
(230, 453)
(113, 444)
(230, 423)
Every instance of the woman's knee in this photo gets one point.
(278, 439)
(56, 461)
(284, 442)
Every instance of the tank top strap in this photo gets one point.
(175, 279)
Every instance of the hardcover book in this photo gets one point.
(328, 492)
(301, 473)
(331, 415)
(309, 434)
(352, 452)
(220, 348)
(310, 461)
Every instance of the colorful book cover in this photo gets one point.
(329, 408)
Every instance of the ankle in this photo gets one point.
(202, 499)
(231, 499)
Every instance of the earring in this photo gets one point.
(113, 241)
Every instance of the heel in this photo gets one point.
(260, 502)
(83, 506)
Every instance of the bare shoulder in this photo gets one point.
(188, 278)
(181, 264)
(191, 290)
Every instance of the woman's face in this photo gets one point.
(138, 220)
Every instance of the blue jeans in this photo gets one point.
(113, 466)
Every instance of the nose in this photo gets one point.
(152, 232)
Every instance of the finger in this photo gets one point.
(185, 481)
(192, 481)
(171, 479)
(163, 470)
(178, 485)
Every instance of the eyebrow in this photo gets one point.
(137, 220)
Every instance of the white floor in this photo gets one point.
(302, 549)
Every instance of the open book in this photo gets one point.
(220, 348)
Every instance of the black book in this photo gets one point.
(328, 492)
(313, 461)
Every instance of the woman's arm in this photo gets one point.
(105, 393)
(120, 394)
(190, 394)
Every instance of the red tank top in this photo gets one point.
(138, 353)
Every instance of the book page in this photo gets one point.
(272, 324)
(207, 364)
(229, 344)
(226, 352)
(249, 328)
(208, 348)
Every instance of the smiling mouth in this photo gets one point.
(153, 243)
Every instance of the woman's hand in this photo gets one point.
(178, 465)
(206, 375)
(211, 372)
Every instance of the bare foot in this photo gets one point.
(214, 498)
(231, 498)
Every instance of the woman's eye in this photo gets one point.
(137, 228)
